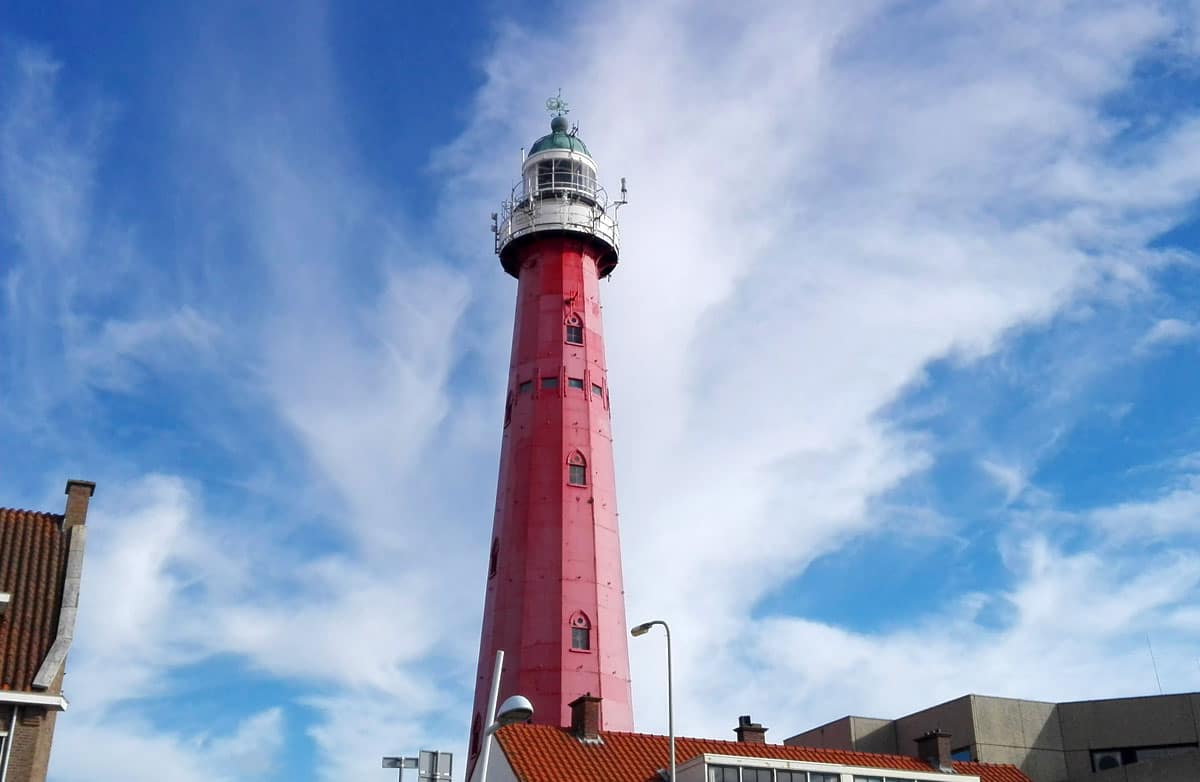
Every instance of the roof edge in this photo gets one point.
(55, 702)
(69, 607)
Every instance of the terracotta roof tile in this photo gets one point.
(33, 561)
(546, 753)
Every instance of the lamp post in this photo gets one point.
(516, 708)
(642, 629)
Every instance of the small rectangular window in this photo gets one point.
(575, 335)
(549, 382)
(819, 776)
(722, 774)
(525, 387)
(575, 382)
(580, 639)
(597, 390)
(577, 474)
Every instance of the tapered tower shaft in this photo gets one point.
(555, 602)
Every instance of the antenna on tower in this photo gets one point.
(624, 195)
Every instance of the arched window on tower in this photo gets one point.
(574, 334)
(581, 632)
(576, 469)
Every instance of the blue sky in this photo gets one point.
(903, 347)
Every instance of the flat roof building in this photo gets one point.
(1144, 739)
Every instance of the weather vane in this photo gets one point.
(557, 104)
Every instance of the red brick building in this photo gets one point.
(583, 753)
(41, 560)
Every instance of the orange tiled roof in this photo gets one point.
(546, 753)
(33, 562)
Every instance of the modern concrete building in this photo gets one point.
(1148, 739)
(41, 561)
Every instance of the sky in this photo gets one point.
(904, 346)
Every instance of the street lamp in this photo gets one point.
(516, 708)
(642, 629)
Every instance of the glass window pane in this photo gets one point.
(577, 474)
(597, 389)
(575, 335)
(549, 382)
(575, 382)
(525, 386)
(580, 638)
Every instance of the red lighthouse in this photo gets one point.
(554, 602)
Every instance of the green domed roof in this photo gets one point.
(559, 138)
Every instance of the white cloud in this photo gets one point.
(1175, 512)
(140, 752)
(1168, 331)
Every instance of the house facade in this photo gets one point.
(41, 562)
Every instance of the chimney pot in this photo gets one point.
(933, 747)
(585, 717)
(78, 493)
(749, 732)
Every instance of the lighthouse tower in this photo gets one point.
(554, 602)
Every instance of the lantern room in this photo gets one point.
(558, 194)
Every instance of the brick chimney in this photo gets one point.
(750, 732)
(78, 493)
(585, 717)
(934, 748)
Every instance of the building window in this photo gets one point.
(756, 774)
(722, 774)
(820, 776)
(597, 390)
(492, 558)
(575, 382)
(577, 470)
(1104, 759)
(581, 632)
(550, 382)
(525, 387)
(574, 329)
